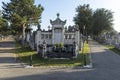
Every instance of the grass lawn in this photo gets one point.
(112, 48)
(24, 55)
(85, 53)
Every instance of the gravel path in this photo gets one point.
(7, 56)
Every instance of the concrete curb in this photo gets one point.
(59, 67)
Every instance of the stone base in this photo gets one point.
(28, 66)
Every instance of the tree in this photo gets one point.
(21, 13)
(93, 23)
(16, 24)
(84, 18)
(3, 25)
(102, 21)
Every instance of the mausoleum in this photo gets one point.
(57, 33)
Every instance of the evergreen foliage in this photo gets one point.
(93, 22)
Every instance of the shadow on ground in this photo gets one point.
(106, 67)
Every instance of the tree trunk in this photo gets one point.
(23, 35)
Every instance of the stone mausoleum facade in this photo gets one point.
(57, 34)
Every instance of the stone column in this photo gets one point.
(52, 35)
(44, 55)
(38, 39)
(63, 35)
(77, 37)
(77, 40)
(119, 38)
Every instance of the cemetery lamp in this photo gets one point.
(30, 59)
(84, 56)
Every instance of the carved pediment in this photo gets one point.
(58, 21)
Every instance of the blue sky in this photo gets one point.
(66, 8)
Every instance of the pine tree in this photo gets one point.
(21, 14)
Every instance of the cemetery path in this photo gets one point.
(7, 56)
(106, 66)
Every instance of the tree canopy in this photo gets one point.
(3, 25)
(102, 21)
(94, 22)
(20, 13)
(84, 18)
